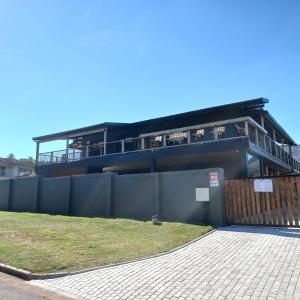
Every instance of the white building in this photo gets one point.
(11, 168)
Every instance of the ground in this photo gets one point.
(48, 243)
(235, 262)
(12, 288)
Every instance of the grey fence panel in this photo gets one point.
(4, 194)
(134, 196)
(91, 195)
(54, 195)
(178, 196)
(170, 195)
(24, 192)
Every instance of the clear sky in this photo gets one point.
(65, 64)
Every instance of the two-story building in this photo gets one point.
(242, 138)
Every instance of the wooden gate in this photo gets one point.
(277, 208)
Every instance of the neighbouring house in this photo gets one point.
(242, 138)
(11, 168)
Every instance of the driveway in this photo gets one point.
(235, 262)
(12, 288)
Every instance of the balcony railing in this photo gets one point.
(156, 141)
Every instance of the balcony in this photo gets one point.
(193, 135)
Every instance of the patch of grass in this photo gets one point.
(44, 243)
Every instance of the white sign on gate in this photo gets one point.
(263, 185)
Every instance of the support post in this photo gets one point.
(123, 146)
(143, 144)
(189, 137)
(67, 150)
(282, 149)
(247, 128)
(256, 136)
(37, 152)
(164, 141)
(274, 135)
(244, 164)
(291, 157)
(262, 120)
(261, 165)
(87, 152)
(105, 141)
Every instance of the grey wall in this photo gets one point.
(91, 195)
(54, 195)
(4, 194)
(134, 196)
(170, 195)
(24, 193)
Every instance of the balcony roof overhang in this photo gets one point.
(76, 132)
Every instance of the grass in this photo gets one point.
(44, 243)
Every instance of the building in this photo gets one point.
(11, 168)
(242, 138)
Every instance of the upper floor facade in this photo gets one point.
(246, 120)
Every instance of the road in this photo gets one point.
(12, 288)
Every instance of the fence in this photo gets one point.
(170, 195)
(280, 207)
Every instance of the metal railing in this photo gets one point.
(204, 133)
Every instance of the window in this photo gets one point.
(156, 141)
(220, 131)
(158, 138)
(200, 133)
(2, 171)
(177, 136)
(23, 171)
(253, 166)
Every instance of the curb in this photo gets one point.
(27, 275)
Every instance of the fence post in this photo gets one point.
(70, 196)
(157, 194)
(217, 210)
(10, 188)
(108, 206)
(37, 195)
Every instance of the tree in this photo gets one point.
(11, 156)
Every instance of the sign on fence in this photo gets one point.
(213, 179)
(263, 185)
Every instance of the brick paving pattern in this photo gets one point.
(235, 262)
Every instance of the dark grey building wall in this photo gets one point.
(4, 194)
(54, 194)
(170, 195)
(24, 192)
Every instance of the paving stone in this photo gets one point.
(235, 262)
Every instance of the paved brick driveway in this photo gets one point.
(232, 263)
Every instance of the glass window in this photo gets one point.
(2, 171)
(253, 166)
(220, 131)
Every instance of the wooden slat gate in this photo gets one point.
(279, 208)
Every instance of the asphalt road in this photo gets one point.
(12, 288)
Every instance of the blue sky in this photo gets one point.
(67, 64)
